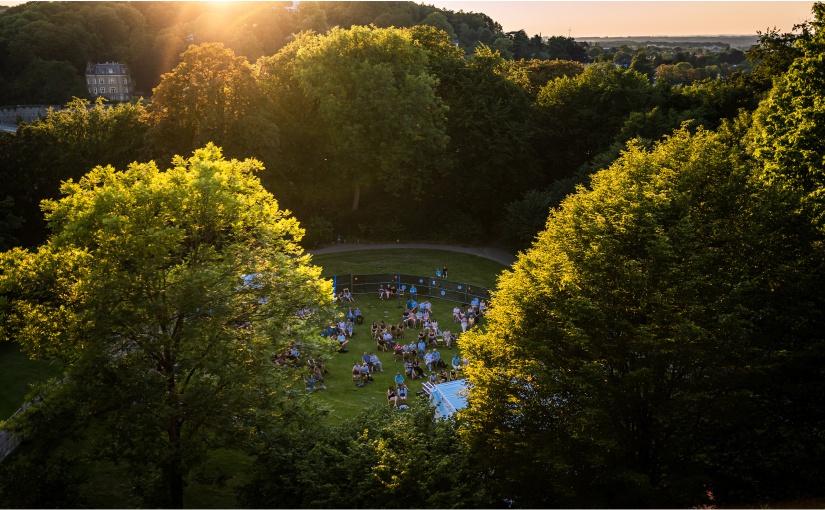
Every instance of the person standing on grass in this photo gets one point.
(413, 292)
(444, 272)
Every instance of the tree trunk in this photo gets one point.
(175, 473)
(356, 197)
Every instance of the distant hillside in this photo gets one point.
(742, 42)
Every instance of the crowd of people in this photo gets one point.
(421, 353)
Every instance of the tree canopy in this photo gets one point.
(633, 355)
(165, 295)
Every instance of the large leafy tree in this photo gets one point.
(164, 294)
(660, 339)
(367, 96)
(211, 96)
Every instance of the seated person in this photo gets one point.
(442, 376)
(409, 304)
(318, 374)
(376, 363)
(356, 371)
(387, 340)
(359, 319)
(398, 352)
(392, 397)
(408, 369)
(342, 342)
(348, 296)
(350, 327)
(366, 376)
(456, 362)
(456, 313)
(366, 359)
(417, 371)
(448, 338)
(433, 378)
(399, 330)
(437, 361)
(405, 317)
(374, 330)
(399, 379)
(453, 375)
(310, 382)
(431, 338)
(402, 395)
(380, 292)
(428, 360)
(422, 347)
(350, 314)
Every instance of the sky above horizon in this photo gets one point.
(586, 18)
(637, 18)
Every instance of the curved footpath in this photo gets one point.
(489, 252)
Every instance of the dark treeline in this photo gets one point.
(480, 147)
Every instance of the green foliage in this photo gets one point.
(384, 459)
(525, 218)
(65, 145)
(788, 129)
(581, 115)
(664, 307)
(211, 96)
(39, 484)
(366, 104)
(140, 293)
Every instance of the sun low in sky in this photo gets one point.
(652, 18)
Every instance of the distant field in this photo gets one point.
(742, 42)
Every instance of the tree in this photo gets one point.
(789, 129)
(382, 459)
(646, 341)
(580, 115)
(164, 295)
(62, 146)
(367, 96)
(211, 96)
(439, 22)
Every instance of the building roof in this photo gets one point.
(106, 68)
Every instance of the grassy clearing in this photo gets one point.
(17, 372)
(342, 398)
(461, 267)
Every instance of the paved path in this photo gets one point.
(490, 252)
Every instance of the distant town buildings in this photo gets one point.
(110, 80)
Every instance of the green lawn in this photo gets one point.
(17, 372)
(342, 397)
(461, 267)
